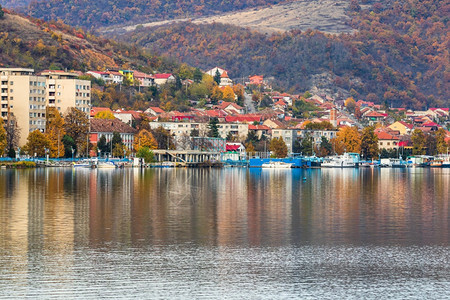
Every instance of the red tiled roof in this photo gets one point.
(138, 74)
(243, 118)
(104, 125)
(258, 127)
(375, 114)
(280, 102)
(162, 76)
(385, 136)
(430, 124)
(225, 104)
(157, 109)
(410, 126)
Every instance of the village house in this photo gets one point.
(144, 79)
(154, 111)
(273, 123)
(161, 79)
(402, 127)
(230, 107)
(260, 130)
(387, 141)
(105, 76)
(225, 80)
(106, 128)
(214, 70)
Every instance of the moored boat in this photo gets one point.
(277, 165)
(346, 160)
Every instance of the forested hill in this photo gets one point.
(400, 54)
(28, 42)
(91, 14)
(14, 3)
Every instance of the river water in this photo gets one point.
(225, 233)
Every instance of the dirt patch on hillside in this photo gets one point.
(324, 15)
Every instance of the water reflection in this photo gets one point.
(307, 223)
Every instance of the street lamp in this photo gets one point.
(73, 150)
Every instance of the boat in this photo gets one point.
(346, 160)
(276, 165)
(106, 165)
(392, 163)
(419, 161)
(83, 164)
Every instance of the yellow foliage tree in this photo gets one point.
(228, 94)
(55, 132)
(37, 143)
(249, 148)
(337, 146)
(105, 114)
(3, 142)
(350, 138)
(144, 139)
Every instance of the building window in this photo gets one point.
(11, 83)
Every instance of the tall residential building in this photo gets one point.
(65, 90)
(26, 95)
(23, 95)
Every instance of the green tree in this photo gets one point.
(198, 75)
(213, 128)
(1, 12)
(146, 154)
(37, 142)
(116, 140)
(3, 140)
(102, 145)
(278, 147)
(369, 143)
(69, 144)
(217, 77)
(306, 145)
(418, 142)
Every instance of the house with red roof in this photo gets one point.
(230, 107)
(161, 79)
(104, 127)
(280, 104)
(374, 117)
(225, 80)
(249, 119)
(144, 79)
(387, 141)
(402, 127)
(128, 117)
(256, 79)
(154, 111)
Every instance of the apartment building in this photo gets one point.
(23, 95)
(65, 90)
(26, 95)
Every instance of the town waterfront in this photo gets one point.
(225, 233)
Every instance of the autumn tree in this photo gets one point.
(144, 139)
(306, 145)
(105, 114)
(12, 135)
(163, 138)
(37, 142)
(77, 127)
(3, 140)
(350, 104)
(55, 132)
(418, 142)
(441, 145)
(228, 94)
(278, 147)
(350, 138)
(369, 143)
(250, 149)
(338, 145)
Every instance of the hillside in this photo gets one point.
(398, 54)
(92, 14)
(27, 42)
(324, 15)
(14, 3)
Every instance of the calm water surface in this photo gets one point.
(230, 233)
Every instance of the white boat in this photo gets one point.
(106, 165)
(276, 165)
(346, 160)
(83, 164)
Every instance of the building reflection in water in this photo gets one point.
(61, 210)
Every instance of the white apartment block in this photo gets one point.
(26, 95)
